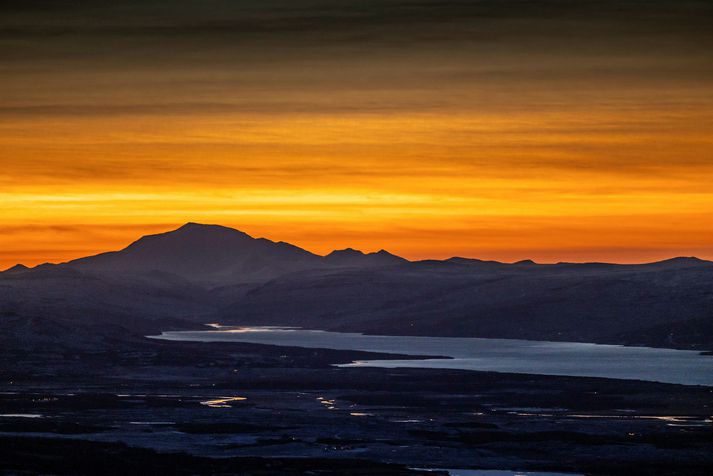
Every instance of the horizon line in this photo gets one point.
(526, 261)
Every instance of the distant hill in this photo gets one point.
(350, 257)
(18, 268)
(667, 304)
(208, 273)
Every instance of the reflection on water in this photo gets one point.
(157, 423)
(496, 472)
(329, 404)
(243, 330)
(20, 415)
(222, 402)
(671, 420)
(495, 355)
(470, 472)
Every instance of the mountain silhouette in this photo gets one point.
(351, 257)
(18, 268)
(209, 273)
(218, 255)
(679, 262)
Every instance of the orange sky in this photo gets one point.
(503, 141)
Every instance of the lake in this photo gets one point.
(495, 355)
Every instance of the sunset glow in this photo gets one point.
(464, 140)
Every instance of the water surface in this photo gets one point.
(496, 355)
(496, 472)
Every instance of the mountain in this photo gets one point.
(658, 304)
(350, 257)
(18, 268)
(680, 262)
(202, 253)
(217, 255)
(209, 273)
(474, 262)
(525, 262)
(168, 280)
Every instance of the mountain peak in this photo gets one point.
(680, 262)
(193, 227)
(387, 257)
(192, 224)
(18, 268)
(474, 262)
(192, 235)
(355, 258)
(344, 253)
(202, 253)
(685, 259)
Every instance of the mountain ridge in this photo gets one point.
(216, 255)
(209, 273)
(195, 236)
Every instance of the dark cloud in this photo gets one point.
(386, 18)
(95, 58)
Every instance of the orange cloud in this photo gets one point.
(560, 134)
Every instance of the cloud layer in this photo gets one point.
(506, 129)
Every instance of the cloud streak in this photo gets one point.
(498, 125)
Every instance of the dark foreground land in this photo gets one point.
(186, 408)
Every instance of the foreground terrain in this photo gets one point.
(168, 407)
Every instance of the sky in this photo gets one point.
(554, 130)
